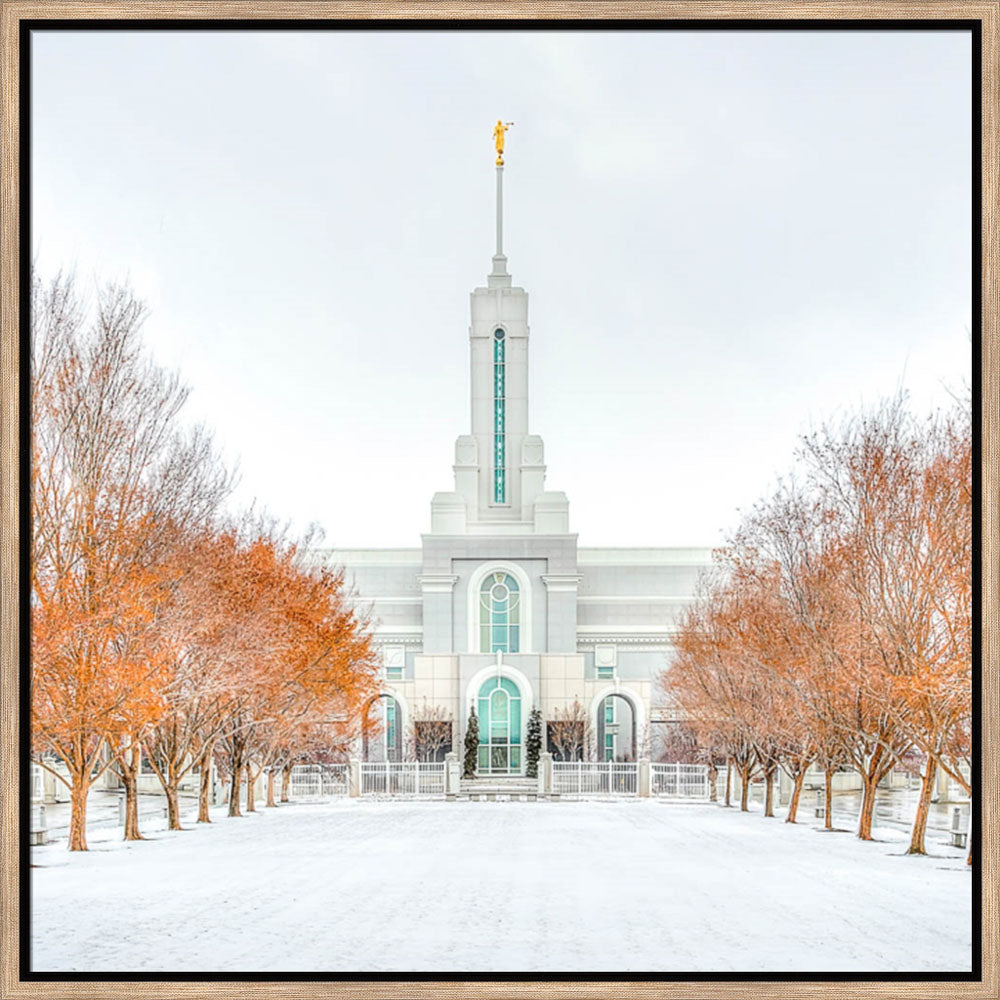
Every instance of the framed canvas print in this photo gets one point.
(499, 501)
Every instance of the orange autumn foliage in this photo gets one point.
(838, 626)
(154, 624)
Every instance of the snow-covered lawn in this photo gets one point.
(369, 886)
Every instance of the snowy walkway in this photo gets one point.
(638, 886)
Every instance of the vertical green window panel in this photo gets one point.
(498, 707)
(390, 724)
(484, 716)
(515, 720)
(499, 417)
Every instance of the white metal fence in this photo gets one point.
(680, 781)
(407, 777)
(318, 781)
(579, 777)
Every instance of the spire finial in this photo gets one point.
(498, 277)
(498, 135)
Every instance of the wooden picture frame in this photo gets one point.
(14, 15)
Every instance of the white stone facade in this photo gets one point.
(590, 623)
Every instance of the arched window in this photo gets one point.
(499, 614)
(616, 725)
(499, 727)
(383, 733)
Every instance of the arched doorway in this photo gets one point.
(498, 706)
(383, 731)
(616, 729)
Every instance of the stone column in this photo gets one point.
(561, 612)
(645, 778)
(436, 589)
(354, 778)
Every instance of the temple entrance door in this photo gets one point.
(499, 708)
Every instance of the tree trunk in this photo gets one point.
(918, 835)
(729, 783)
(828, 811)
(250, 790)
(867, 808)
(205, 786)
(286, 782)
(793, 804)
(745, 790)
(234, 790)
(173, 810)
(769, 792)
(128, 771)
(131, 781)
(78, 813)
(270, 789)
(713, 777)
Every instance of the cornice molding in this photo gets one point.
(437, 583)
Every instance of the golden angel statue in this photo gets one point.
(498, 134)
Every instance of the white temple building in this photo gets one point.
(498, 607)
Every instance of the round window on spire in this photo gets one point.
(499, 334)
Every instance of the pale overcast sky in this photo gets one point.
(725, 236)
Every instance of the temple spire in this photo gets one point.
(498, 277)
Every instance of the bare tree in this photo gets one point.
(571, 733)
(431, 732)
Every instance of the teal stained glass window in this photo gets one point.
(499, 614)
(609, 736)
(499, 417)
(499, 708)
(390, 724)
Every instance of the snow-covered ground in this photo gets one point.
(625, 886)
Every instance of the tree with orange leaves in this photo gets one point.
(898, 491)
(840, 627)
(708, 681)
(113, 482)
(210, 629)
(311, 669)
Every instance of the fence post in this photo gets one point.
(579, 777)
(416, 777)
(452, 776)
(354, 778)
(959, 838)
(545, 773)
(38, 834)
(645, 776)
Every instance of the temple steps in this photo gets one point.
(498, 788)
